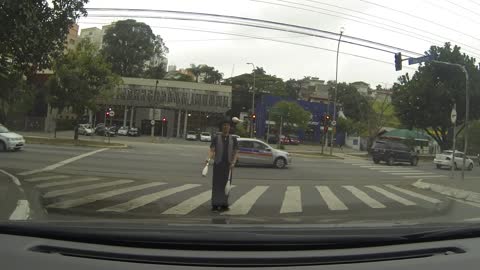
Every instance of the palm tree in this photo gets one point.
(196, 71)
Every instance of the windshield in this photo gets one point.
(242, 112)
(3, 129)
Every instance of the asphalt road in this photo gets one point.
(163, 182)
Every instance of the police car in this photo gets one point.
(9, 140)
(256, 152)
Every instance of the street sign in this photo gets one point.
(453, 116)
(334, 123)
(112, 113)
(152, 122)
(418, 60)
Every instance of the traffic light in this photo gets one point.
(107, 114)
(254, 116)
(398, 61)
(327, 119)
(164, 119)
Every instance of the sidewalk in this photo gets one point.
(467, 189)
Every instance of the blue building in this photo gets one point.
(314, 131)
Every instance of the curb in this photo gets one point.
(449, 191)
(49, 141)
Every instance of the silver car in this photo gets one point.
(256, 152)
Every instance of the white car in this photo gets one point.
(85, 129)
(123, 131)
(10, 141)
(191, 135)
(256, 152)
(445, 159)
(205, 137)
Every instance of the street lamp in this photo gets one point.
(253, 98)
(335, 94)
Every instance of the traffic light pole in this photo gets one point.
(335, 95)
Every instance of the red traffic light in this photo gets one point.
(254, 116)
(164, 119)
(107, 114)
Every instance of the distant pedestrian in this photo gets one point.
(223, 151)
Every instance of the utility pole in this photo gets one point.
(253, 101)
(335, 94)
(453, 117)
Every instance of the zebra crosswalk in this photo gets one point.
(404, 172)
(117, 196)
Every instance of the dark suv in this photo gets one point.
(391, 152)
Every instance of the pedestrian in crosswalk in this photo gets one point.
(223, 151)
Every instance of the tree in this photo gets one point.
(196, 71)
(291, 114)
(156, 72)
(242, 86)
(294, 87)
(129, 44)
(33, 32)
(426, 99)
(81, 76)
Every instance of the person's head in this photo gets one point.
(225, 125)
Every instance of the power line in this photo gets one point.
(270, 39)
(419, 18)
(265, 27)
(461, 7)
(451, 11)
(402, 24)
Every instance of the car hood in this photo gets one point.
(11, 135)
(280, 152)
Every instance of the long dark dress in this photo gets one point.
(221, 173)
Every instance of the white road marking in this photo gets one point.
(371, 166)
(189, 205)
(12, 177)
(44, 178)
(61, 192)
(391, 196)
(414, 194)
(146, 199)
(425, 176)
(400, 171)
(63, 163)
(364, 197)
(412, 173)
(100, 196)
(68, 182)
(243, 205)
(22, 211)
(332, 201)
(292, 201)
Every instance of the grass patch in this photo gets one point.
(71, 142)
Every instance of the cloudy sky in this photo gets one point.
(410, 25)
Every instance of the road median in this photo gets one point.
(461, 194)
(71, 142)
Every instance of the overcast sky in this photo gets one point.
(423, 23)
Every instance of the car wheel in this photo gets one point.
(3, 147)
(439, 166)
(280, 163)
(376, 161)
(390, 161)
(414, 161)
(470, 167)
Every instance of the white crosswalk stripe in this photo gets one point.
(44, 178)
(189, 205)
(100, 196)
(68, 182)
(67, 191)
(146, 199)
(414, 194)
(364, 197)
(424, 176)
(292, 201)
(392, 196)
(332, 201)
(243, 205)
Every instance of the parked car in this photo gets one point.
(293, 139)
(273, 139)
(123, 131)
(445, 159)
(191, 135)
(133, 132)
(105, 131)
(256, 152)
(205, 137)
(85, 129)
(392, 152)
(9, 140)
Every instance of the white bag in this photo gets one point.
(228, 185)
(205, 171)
